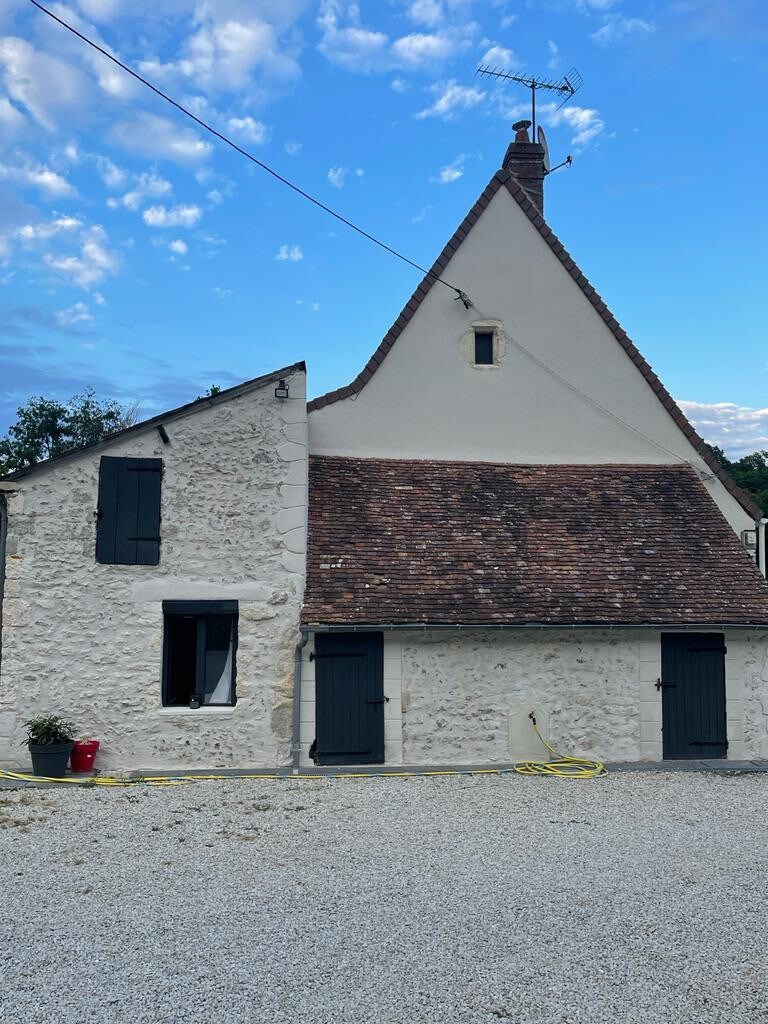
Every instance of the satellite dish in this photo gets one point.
(543, 142)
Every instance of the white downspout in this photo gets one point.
(761, 559)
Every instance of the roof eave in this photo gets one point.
(355, 627)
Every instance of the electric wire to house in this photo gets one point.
(459, 293)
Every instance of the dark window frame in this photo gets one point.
(485, 347)
(202, 612)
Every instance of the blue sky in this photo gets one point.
(139, 255)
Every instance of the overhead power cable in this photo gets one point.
(249, 156)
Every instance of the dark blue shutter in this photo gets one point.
(128, 530)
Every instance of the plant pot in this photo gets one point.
(84, 754)
(50, 759)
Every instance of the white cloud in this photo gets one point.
(399, 85)
(594, 5)
(737, 429)
(158, 138)
(146, 186)
(95, 262)
(500, 57)
(353, 46)
(426, 12)
(315, 307)
(222, 293)
(77, 314)
(554, 56)
(99, 299)
(11, 119)
(345, 41)
(47, 229)
(337, 176)
(423, 213)
(232, 41)
(172, 217)
(109, 172)
(418, 48)
(452, 171)
(293, 148)
(291, 253)
(179, 247)
(214, 197)
(616, 26)
(36, 175)
(451, 99)
(247, 128)
(585, 122)
(508, 19)
(45, 86)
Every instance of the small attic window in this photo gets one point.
(483, 348)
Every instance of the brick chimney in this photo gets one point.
(525, 160)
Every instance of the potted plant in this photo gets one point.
(84, 754)
(50, 740)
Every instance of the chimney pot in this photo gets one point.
(525, 161)
(520, 128)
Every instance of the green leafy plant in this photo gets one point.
(45, 730)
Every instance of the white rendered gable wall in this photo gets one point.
(426, 400)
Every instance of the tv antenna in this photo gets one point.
(570, 84)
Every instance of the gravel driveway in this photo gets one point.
(635, 898)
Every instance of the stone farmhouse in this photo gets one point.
(504, 512)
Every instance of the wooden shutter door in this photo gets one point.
(128, 530)
(149, 475)
(106, 522)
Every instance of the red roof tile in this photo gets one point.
(506, 179)
(407, 542)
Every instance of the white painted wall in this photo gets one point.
(85, 640)
(459, 698)
(426, 400)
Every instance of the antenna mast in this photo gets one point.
(570, 84)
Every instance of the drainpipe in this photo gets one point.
(296, 726)
(761, 559)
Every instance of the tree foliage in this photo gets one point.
(45, 427)
(750, 472)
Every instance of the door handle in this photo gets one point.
(664, 686)
(379, 700)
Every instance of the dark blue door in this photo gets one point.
(349, 698)
(693, 695)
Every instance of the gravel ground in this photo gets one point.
(634, 898)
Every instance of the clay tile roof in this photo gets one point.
(412, 541)
(503, 179)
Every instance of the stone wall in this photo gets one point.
(467, 696)
(85, 640)
(464, 697)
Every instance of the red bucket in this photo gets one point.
(83, 755)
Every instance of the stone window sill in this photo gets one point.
(196, 712)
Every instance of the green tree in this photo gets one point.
(750, 472)
(45, 427)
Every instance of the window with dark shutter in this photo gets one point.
(128, 514)
(199, 651)
(483, 348)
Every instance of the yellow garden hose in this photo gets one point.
(564, 767)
